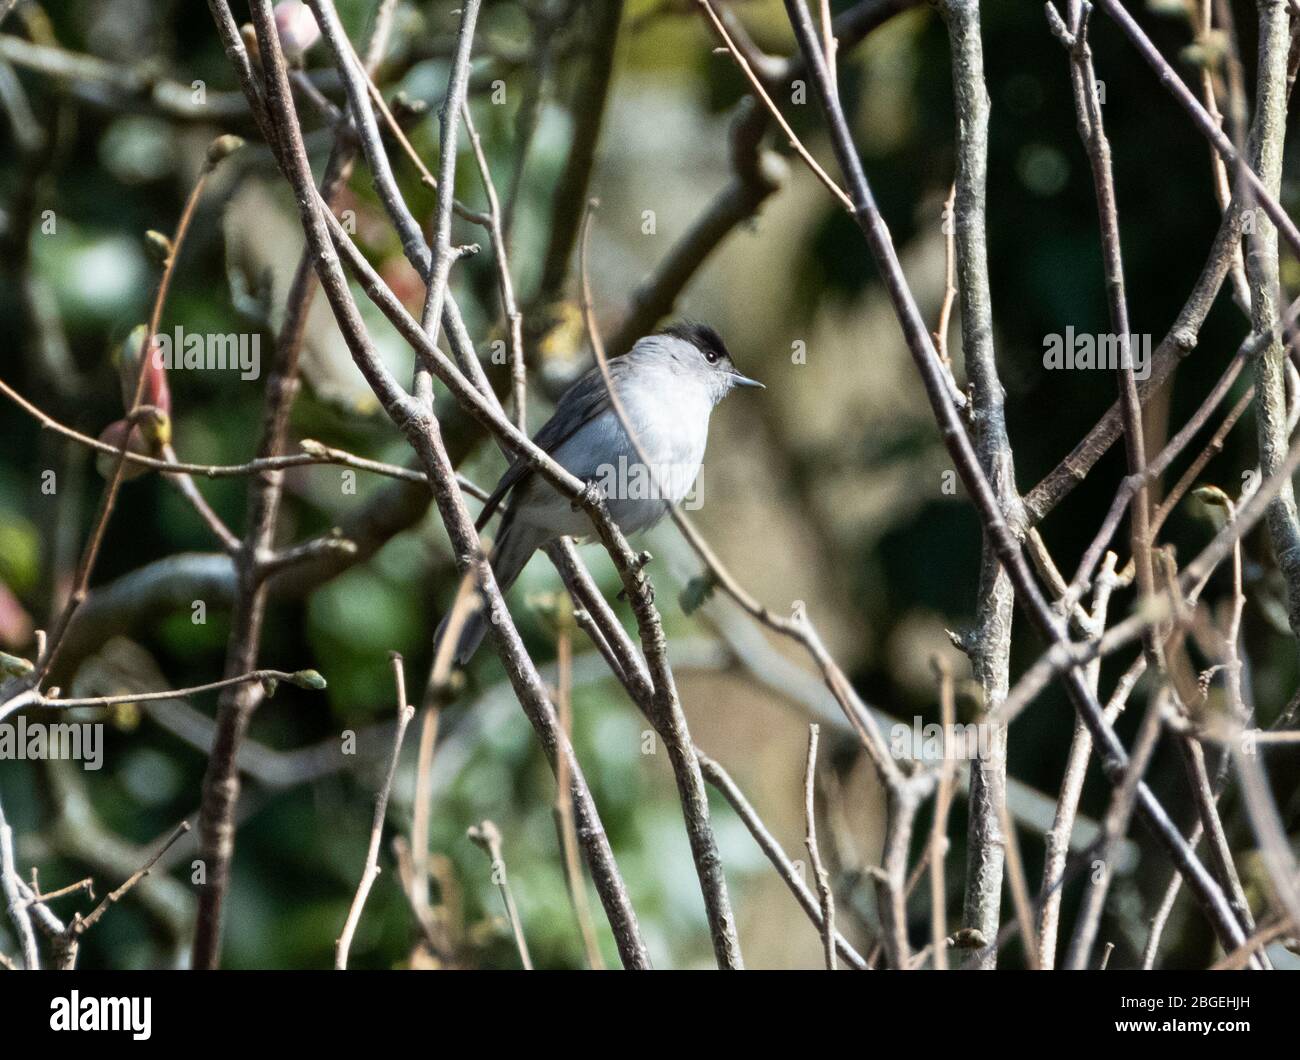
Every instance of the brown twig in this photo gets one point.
(949, 278)
(1169, 79)
(1020, 892)
(445, 255)
(405, 712)
(563, 807)
(301, 678)
(1241, 956)
(314, 453)
(1076, 768)
(87, 885)
(759, 90)
(1115, 824)
(487, 837)
(1092, 129)
(785, 868)
(509, 305)
(822, 878)
(939, 825)
(79, 925)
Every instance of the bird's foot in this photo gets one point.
(638, 564)
(592, 496)
(646, 587)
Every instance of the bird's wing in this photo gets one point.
(586, 399)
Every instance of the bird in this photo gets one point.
(668, 385)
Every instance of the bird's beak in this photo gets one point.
(743, 380)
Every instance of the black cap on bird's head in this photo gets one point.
(707, 340)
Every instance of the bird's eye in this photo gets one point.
(711, 356)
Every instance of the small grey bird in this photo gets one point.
(668, 384)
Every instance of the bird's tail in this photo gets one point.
(513, 549)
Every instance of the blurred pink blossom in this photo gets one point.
(296, 26)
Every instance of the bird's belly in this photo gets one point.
(637, 495)
(547, 509)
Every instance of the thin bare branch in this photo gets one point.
(824, 894)
(488, 837)
(405, 712)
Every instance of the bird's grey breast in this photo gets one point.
(669, 416)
